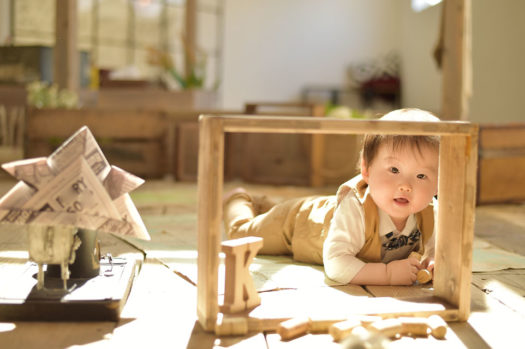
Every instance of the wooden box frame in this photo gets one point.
(456, 191)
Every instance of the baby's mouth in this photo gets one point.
(402, 201)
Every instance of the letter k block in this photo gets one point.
(239, 291)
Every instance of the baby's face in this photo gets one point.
(402, 181)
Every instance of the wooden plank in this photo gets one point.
(487, 314)
(190, 37)
(209, 211)
(502, 179)
(338, 126)
(508, 234)
(278, 306)
(501, 136)
(502, 163)
(152, 308)
(508, 287)
(65, 56)
(456, 59)
(49, 123)
(401, 291)
(455, 221)
(55, 335)
(306, 341)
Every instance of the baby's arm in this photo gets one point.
(399, 272)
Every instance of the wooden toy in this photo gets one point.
(414, 326)
(294, 327)
(438, 327)
(423, 276)
(341, 330)
(390, 328)
(239, 290)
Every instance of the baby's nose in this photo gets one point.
(405, 187)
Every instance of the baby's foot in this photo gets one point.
(239, 191)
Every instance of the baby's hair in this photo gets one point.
(371, 142)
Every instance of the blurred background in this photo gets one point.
(176, 59)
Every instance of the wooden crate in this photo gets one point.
(155, 99)
(501, 163)
(456, 190)
(298, 159)
(275, 158)
(133, 140)
(184, 142)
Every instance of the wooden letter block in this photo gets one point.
(239, 291)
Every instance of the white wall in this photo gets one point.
(275, 47)
(421, 79)
(4, 21)
(498, 51)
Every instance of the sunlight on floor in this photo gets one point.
(20, 255)
(7, 326)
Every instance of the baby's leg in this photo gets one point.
(274, 226)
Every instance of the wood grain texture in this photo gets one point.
(239, 290)
(455, 234)
(338, 126)
(209, 211)
(456, 59)
(502, 179)
(502, 136)
(135, 125)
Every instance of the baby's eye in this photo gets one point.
(421, 176)
(394, 170)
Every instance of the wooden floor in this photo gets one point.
(161, 309)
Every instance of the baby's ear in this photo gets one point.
(364, 170)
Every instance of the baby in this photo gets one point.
(365, 233)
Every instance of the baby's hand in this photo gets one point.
(403, 272)
(428, 263)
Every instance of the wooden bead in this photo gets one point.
(423, 276)
(415, 255)
(438, 326)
